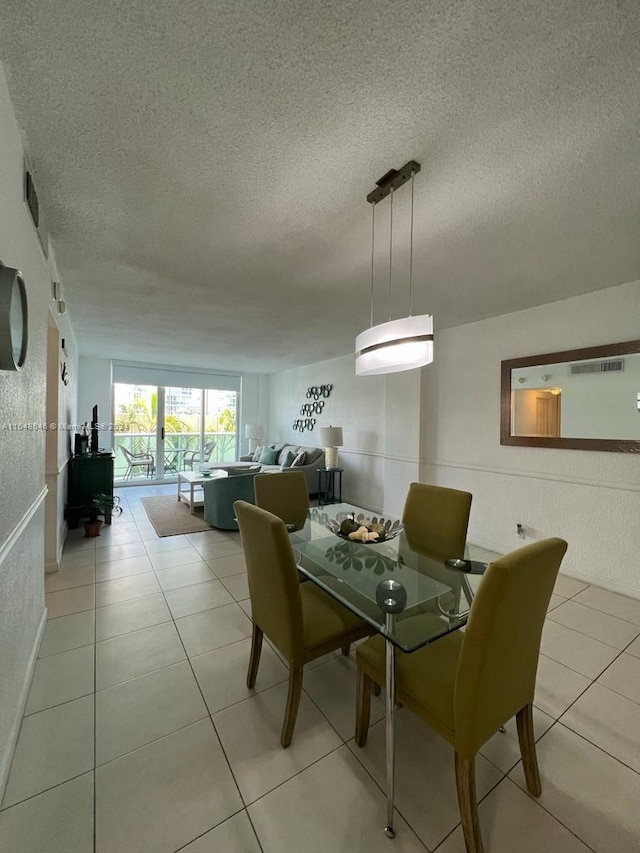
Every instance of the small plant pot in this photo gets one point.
(92, 528)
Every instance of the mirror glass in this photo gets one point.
(584, 399)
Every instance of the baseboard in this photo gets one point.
(50, 568)
(10, 747)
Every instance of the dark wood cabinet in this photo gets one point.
(89, 474)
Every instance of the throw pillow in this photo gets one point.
(268, 456)
(257, 452)
(287, 459)
(300, 459)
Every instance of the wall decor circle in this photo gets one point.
(14, 319)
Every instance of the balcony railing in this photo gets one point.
(175, 446)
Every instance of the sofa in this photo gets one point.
(314, 460)
(220, 494)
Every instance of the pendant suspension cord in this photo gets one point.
(390, 245)
(413, 175)
(373, 237)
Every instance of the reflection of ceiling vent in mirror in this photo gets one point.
(599, 367)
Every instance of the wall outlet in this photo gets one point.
(520, 530)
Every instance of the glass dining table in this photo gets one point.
(409, 594)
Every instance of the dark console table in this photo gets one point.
(89, 474)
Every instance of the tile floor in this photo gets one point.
(140, 734)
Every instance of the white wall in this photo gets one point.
(254, 405)
(379, 416)
(94, 387)
(22, 452)
(592, 499)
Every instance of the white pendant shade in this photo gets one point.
(394, 346)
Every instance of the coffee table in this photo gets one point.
(193, 494)
(194, 481)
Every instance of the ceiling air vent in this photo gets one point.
(599, 367)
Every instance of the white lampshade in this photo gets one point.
(331, 436)
(394, 346)
(254, 431)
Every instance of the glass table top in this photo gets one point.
(434, 597)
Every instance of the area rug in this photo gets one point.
(170, 518)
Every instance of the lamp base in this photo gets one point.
(331, 457)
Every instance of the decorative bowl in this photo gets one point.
(386, 528)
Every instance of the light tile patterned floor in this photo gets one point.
(141, 735)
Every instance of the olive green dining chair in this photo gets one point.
(468, 684)
(285, 494)
(301, 620)
(435, 519)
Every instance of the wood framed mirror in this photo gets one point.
(582, 399)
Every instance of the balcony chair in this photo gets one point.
(192, 456)
(138, 460)
(302, 621)
(468, 684)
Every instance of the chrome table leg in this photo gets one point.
(390, 712)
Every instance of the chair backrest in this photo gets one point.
(435, 519)
(498, 661)
(285, 495)
(274, 587)
(132, 457)
(208, 449)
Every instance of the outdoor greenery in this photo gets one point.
(140, 418)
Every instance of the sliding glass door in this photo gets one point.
(135, 431)
(162, 430)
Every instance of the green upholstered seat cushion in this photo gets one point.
(268, 456)
(326, 622)
(425, 679)
(286, 458)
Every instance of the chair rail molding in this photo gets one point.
(21, 526)
(532, 475)
(380, 454)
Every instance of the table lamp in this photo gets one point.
(254, 432)
(331, 440)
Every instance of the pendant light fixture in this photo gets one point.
(407, 342)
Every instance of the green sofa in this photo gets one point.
(220, 494)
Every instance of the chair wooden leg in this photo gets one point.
(466, 787)
(363, 706)
(524, 719)
(346, 649)
(254, 660)
(293, 700)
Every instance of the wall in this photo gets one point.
(22, 451)
(592, 499)
(94, 386)
(379, 416)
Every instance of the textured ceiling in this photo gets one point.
(203, 166)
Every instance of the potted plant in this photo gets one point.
(100, 505)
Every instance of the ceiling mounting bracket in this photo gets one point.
(393, 180)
